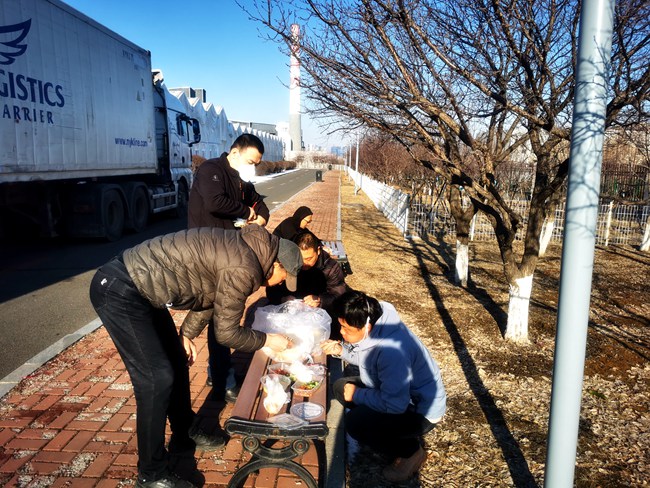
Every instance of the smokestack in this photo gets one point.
(295, 130)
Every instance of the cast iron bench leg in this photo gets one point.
(240, 476)
(267, 457)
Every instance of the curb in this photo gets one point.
(31, 365)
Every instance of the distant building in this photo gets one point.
(218, 133)
(268, 128)
(190, 92)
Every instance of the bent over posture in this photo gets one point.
(210, 272)
(399, 395)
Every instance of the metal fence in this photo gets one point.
(428, 213)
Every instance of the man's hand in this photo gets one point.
(277, 342)
(190, 350)
(312, 300)
(252, 215)
(333, 348)
(348, 391)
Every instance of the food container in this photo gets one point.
(283, 369)
(306, 410)
(308, 388)
(318, 369)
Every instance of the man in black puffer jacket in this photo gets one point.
(210, 272)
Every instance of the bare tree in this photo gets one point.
(472, 82)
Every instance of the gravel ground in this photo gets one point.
(495, 430)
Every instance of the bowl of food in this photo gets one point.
(307, 388)
(268, 380)
(283, 369)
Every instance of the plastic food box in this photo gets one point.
(307, 389)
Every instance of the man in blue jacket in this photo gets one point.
(399, 395)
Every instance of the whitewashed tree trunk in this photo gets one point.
(645, 242)
(517, 328)
(608, 222)
(462, 263)
(547, 232)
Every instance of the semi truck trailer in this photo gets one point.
(91, 140)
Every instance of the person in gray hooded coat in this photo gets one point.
(398, 395)
(210, 272)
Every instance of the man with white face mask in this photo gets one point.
(223, 191)
(223, 196)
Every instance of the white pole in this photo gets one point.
(587, 133)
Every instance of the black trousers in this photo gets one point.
(219, 361)
(393, 434)
(150, 347)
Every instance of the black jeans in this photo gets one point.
(393, 434)
(150, 347)
(219, 361)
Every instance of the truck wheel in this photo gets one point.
(139, 209)
(113, 213)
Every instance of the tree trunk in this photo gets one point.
(520, 291)
(645, 242)
(463, 220)
(462, 262)
(547, 233)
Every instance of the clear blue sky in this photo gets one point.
(208, 44)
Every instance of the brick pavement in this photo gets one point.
(72, 422)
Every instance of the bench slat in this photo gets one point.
(249, 392)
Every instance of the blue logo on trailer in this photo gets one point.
(13, 48)
(17, 86)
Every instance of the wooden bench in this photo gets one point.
(249, 419)
(338, 253)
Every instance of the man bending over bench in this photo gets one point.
(210, 272)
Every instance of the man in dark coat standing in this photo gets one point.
(222, 191)
(223, 196)
(210, 272)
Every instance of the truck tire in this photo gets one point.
(139, 209)
(113, 215)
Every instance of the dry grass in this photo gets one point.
(495, 431)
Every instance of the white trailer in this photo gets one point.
(91, 141)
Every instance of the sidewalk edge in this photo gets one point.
(12, 379)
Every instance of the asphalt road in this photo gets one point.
(44, 283)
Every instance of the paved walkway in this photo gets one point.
(72, 422)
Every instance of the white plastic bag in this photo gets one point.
(306, 326)
(276, 397)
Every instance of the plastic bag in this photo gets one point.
(276, 397)
(306, 326)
